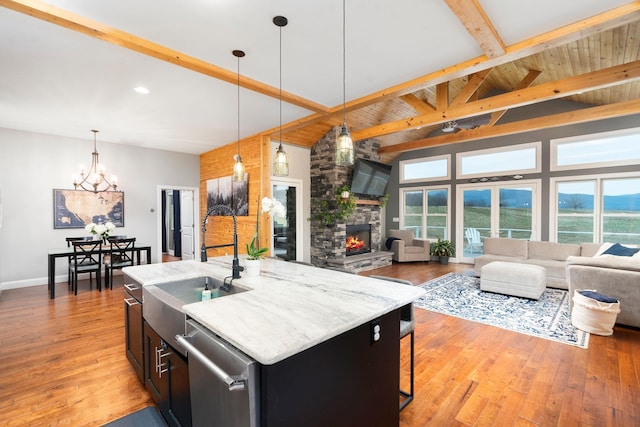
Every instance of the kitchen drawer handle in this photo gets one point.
(234, 384)
(131, 287)
(131, 301)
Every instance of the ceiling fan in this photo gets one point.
(466, 123)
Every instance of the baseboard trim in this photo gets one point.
(39, 281)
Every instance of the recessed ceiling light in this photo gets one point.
(142, 90)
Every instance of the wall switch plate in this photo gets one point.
(375, 331)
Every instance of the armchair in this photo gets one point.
(407, 248)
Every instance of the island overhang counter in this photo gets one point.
(290, 307)
(312, 332)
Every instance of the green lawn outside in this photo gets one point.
(572, 229)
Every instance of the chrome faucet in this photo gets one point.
(236, 269)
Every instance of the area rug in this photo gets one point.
(460, 296)
(147, 417)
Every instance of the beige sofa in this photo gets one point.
(572, 267)
(407, 248)
(551, 256)
(614, 276)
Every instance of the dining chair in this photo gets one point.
(407, 328)
(121, 254)
(87, 258)
(69, 240)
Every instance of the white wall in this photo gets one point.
(32, 165)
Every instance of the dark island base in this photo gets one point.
(346, 381)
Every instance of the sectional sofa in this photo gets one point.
(572, 266)
(551, 256)
(615, 276)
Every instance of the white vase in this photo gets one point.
(252, 267)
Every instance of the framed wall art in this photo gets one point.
(223, 191)
(75, 209)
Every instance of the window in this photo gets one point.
(518, 159)
(576, 217)
(597, 150)
(426, 212)
(425, 169)
(621, 210)
(598, 209)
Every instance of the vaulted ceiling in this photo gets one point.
(70, 66)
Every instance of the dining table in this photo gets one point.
(67, 252)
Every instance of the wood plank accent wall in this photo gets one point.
(219, 163)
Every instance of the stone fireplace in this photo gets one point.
(329, 243)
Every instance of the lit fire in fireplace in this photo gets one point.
(354, 243)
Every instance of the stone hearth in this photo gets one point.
(328, 244)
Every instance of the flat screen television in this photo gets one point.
(370, 178)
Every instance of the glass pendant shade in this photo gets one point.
(238, 169)
(344, 143)
(238, 166)
(281, 163)
(344, 148)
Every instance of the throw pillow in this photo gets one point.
(603, 248)
(620, 250)
(598, 296)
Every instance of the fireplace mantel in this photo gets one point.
(368, 202)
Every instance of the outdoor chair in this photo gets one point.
(474, 241)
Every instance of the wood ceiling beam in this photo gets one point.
(478, 24)
(442, 96)
(585, 115)
(524, 83)
(418, 104)
(613, 18)
(471, 88)
(544, 92)
(71, 21)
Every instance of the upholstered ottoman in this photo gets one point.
(511, 278)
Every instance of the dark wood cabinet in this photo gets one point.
(167, 379)
(134, 345)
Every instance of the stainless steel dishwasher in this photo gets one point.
(224, 382)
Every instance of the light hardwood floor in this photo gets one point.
(62, 362)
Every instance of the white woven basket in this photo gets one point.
(593, 316)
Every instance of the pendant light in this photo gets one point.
(238, 167)
(281, 162)
(94, 180)
(344, 143)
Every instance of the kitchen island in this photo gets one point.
(311, 331)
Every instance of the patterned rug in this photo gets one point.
(548, 318)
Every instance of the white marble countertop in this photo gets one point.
(290, 307)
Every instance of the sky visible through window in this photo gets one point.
(495, 162)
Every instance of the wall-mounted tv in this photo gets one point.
(370, 178)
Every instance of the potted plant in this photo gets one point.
(338, 209)
(443, 249)
(254, 252)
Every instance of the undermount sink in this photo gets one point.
(188, 291)
(162, 303)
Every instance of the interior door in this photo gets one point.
(286, 232)
(496, 210)
(169, 223)
(187, 224)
